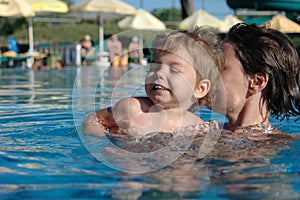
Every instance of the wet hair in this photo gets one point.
(203, 45)
(268, 51)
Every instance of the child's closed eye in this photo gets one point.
(175, 69)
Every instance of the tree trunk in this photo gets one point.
(187, 8)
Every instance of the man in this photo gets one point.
(261, 77)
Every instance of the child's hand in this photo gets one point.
(97, 125)
(91, 126)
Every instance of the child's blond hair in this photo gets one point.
(203, 44)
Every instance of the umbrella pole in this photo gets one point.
(141, 44)
(30, 32)
(101, 36)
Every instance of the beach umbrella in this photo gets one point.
(142, 20)
(15, 8)
(100, 9)
(48, 6)
(228, 21)
(283, 24)
(199, 18)
(44, 7)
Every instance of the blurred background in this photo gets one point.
(56, 33)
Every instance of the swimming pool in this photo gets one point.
(43, 157)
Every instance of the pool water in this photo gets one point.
(43, 154)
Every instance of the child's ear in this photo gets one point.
(202, 89)
(258, 82)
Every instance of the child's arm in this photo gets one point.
(132, 115)
(109, 120)
(99, 123)
(124, 113)
(117, 120)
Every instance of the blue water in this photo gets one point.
(43, 156)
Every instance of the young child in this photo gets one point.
(184, 69)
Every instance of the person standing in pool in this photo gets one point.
(135, 52)
(114, 47)
(87, 48)
(182, 75)
(261, 78)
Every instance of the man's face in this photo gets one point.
(233, 91)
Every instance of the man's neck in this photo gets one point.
(253, 113)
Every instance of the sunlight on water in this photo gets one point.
(43, 157)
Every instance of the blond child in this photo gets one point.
(184, 69)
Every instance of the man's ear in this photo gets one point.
(202, 89)
(258, 82)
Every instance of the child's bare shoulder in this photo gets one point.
(134, 104)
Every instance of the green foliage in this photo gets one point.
(7, 25)
(60, 33)
(69, 2)
(171, 16)
(167, 14)
(295, 38)
(55, 33)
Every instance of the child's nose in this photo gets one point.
(161, 72)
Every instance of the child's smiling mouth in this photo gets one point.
(158, 87)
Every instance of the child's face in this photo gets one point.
(171, 80)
